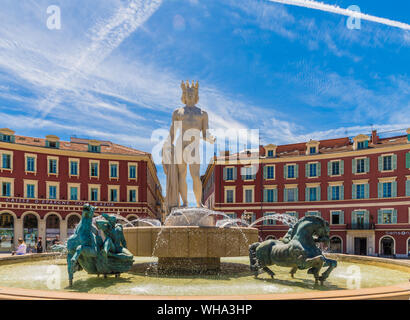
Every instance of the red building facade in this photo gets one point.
(361, 186)
(45, 182)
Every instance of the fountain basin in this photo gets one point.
(184, 248)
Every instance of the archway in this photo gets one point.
(336, 244)
(30, 231)
(387, 246)
(133, 217)
(6, 232)
(270, 237)
(52, 230)
(72, 222)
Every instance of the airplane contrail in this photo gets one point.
(345, 12)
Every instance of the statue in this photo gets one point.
(298, 250)
(190, 121)
(86, 249)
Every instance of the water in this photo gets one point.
(282, 217)
(35, 275)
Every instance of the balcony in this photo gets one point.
(360, 226)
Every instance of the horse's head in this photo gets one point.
(313, 227)
(88, 211)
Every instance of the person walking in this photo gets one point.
(39, 246)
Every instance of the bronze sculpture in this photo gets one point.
(298, 250)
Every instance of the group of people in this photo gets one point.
(22, 247)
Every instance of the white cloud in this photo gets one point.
(346, 12)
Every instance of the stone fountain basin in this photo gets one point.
(189, 241)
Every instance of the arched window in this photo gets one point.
(72, 222)
(30, 227)
(387, 246)
(336, 245)
(6, 232)
(52, 230)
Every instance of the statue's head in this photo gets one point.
(88, 210)
(190, 95)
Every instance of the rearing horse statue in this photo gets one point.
(297, 250)
(85, 248)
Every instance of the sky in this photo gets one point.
(290, 69)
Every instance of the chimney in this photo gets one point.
(375, 137)
(261, 151)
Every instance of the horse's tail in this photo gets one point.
(252, 256)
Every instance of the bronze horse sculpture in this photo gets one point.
(87, 250)
(298, 250)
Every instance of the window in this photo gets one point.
(269, 172)
(52, 192)
(248, 195)
(132, 196)
(229, 196)
(312, 150)
(247, 173)
(387, 216)
(270, 153)
(229, 174)
(313, 213)
(30, 191)
(6, 161)
(291, 195)
(94, 148)
(270, 195)
(335, 193)
(387, 163)
(73, 193)
(387, 190)
(94, 194)
(6, 189)
(360, 191)
(312, 169)
(94, 169)
(360, 166)
(52, 166)
(6, 138)
(52, 144)
(268, 222)
(335, 168)
(312, 194)
(30, 165)
(132, 171)
(362, 144)
(74, 168)
(114, 195)
(113, 170)
(335, 217)
(291, 171)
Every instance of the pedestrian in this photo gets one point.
(22, 248)
(39, 247)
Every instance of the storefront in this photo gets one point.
(52, 230)
(30, 229)
(6, 232)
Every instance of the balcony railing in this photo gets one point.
(360, 226)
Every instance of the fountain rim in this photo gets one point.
(398, 291)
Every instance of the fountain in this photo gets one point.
(190, 241)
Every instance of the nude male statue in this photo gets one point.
(190, 121)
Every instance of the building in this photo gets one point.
(360, 185)
(45, 182)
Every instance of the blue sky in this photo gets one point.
(113, 70)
